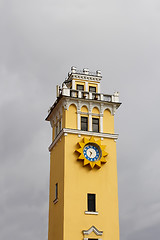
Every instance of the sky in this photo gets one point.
(39, 42)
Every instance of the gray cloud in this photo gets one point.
(40, 41)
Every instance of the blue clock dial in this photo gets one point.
(92, 152)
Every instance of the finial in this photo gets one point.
(98, 72)
(73, 69)
(86, 70)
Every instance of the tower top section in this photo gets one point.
(82, 87)
(84, 74)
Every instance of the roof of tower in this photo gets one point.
(85, 74)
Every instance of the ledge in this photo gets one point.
(91, 213)
(66, 131)
(55, 201)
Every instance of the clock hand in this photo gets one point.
(90, 153)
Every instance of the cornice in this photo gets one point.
(66, 131)
(66, 101)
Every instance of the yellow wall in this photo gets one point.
(95, 110)
(63, 117)
(53, 132)
(108, 122)
(82, 82)
(92, 85)
(84, 109)
(71, 117)
(67, 218)
(81, 180)
(56, 211)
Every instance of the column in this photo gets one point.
(73, 84)
(99, 88)
(101, 122)
(90, 122)
(86, 86)
(78, 121)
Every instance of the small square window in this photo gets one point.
(60, 125)
(57, 129)
(56, 191)
(92, 238)
(91, 202)
(84, 123)
(80, 87)
(92, 89)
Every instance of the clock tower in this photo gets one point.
(83, 200)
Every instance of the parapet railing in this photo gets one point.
(89, 95)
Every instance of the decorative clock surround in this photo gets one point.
(92, 152)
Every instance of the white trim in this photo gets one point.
(66, 131)
(91, 213)
(98, 87)
(87, 239)
(101, 124)
(73, 84)
(78, 121)
(86, 86)
(83, 113)
(79, 103)
(88, 77)
(92, 229)
(89, 133)
(90, 122)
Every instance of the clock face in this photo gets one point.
(91, 152)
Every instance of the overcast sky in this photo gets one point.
(39, 42)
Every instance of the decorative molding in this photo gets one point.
(92, 229)
(66, 131)
(66, 104)
(88, 77)
(57, 116)
(90, 133)
(90, 107)
(79, 106)
(90, 104)
(83, 113)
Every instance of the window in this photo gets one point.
(60, 125)
(92, 238)
(57, 129)
(80, 87)
(84, 123)
(91, 202)
(56, 191)
(95, 124)
(92, 89)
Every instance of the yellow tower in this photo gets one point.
(83, 200)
